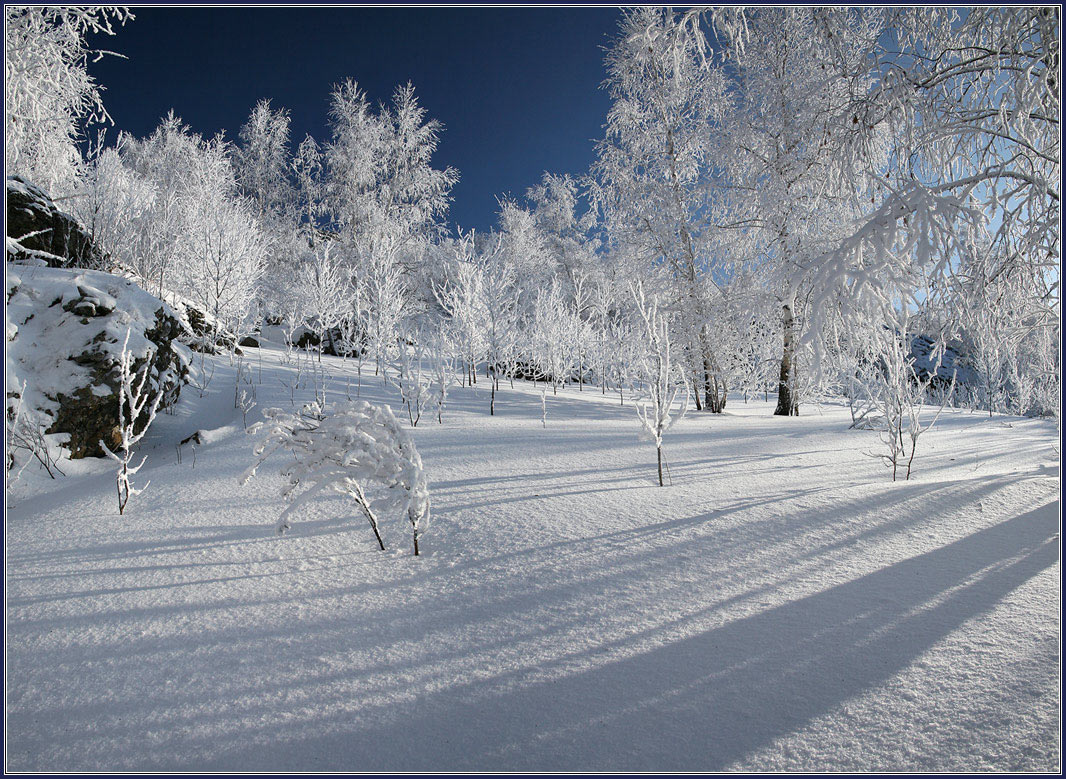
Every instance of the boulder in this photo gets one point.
(36, 229)
(205, 334)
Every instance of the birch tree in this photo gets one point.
(48, 92)
(653, 168)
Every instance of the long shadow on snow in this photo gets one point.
(729, 541)
(951, 566)
(714, 697)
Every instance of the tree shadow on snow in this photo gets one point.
(713, 697)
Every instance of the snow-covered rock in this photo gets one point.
(37, 229)
(946, 364)
(65, 329)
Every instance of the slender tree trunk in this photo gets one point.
(377, 535)
(708, 377)
(659, 455)
(787, 402)
(360, 498)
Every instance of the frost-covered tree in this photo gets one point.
(954, 113)
(307, 170)
(462, 299)
(663, 379)
(261, 161)
(564, 230)
(384, 197)
(524, 248)
(222, 248)
(138, 402)
(602, 307)
(115, 205)
(263, 170)
(161, 161)
(552, 335)
(895, 392)
(414, 377)
(48, 92)
(387, 302)
(442, 352)
(655, 163)
(351, 448)
(1007, 334)
(792, 159)
(501, 336)
(976, 95)
(322, 285)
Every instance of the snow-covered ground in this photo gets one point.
(782, 605)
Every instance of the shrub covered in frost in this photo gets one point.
(350, 448)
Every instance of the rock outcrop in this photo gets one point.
(37, 229)
(65, 333)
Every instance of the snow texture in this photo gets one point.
(782, 606)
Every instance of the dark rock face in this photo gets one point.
(44, 231)
(949, 365)
(89, 416)
(206, 335)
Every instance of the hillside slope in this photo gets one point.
(782, 605)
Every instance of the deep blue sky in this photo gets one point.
(517, 89)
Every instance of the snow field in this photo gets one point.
(780, 606)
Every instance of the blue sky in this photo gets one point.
(517, 89)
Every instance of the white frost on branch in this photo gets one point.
(135, 394)
(350, 448)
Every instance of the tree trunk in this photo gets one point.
(357, 494)
(659, 454)
(787, 402)
(717, 393)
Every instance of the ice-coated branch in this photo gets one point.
(136, 400)
(663, 379)
(350, 448)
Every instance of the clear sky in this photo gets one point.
(518, 89)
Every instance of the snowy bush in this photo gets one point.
(349, 448)
(412, 377)
(137, 407)
(664, 380)
(26, 438)
(891, 395)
